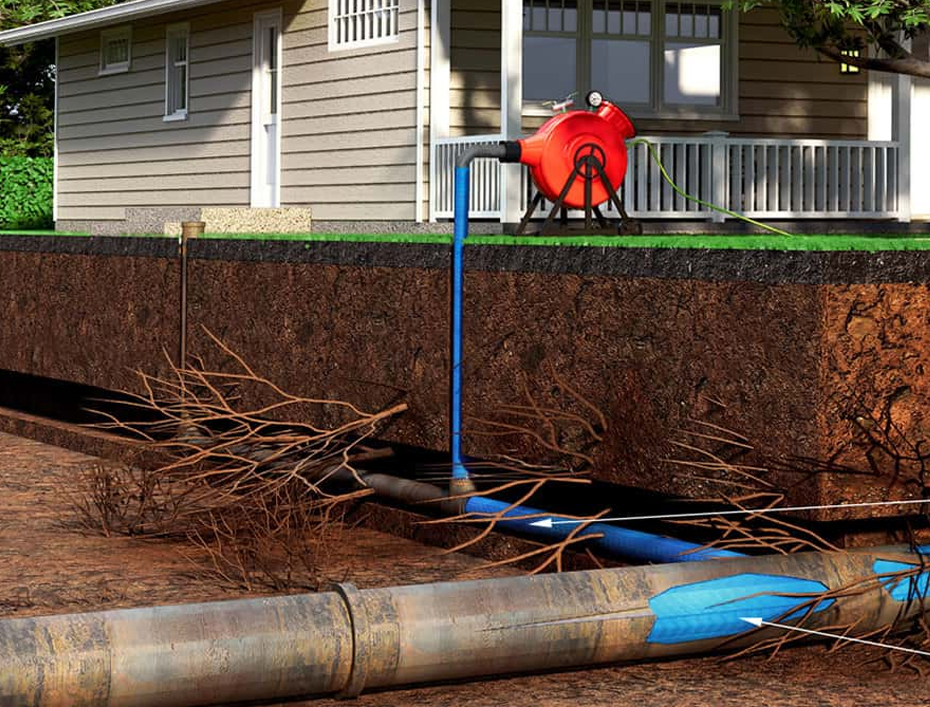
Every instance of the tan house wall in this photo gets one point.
(349, 136)
(784, 91)
(348, 117)
(115, 150)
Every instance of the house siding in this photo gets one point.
(115, 151)
(348, 120)
(349, 124)
(783, 91)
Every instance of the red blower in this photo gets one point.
(584, 146)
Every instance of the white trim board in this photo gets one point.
(259, 198)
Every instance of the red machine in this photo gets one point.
(578, 160)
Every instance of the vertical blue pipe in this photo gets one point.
(629, 543)
(458, 251)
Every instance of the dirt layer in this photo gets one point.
(49, 566)
(818, 360)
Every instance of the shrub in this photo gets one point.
(26, 185)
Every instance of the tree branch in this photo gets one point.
(908, 64)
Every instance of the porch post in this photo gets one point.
(920, 149)
(511, 104)
(902, 124)
(439, 83)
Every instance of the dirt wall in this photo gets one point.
(715, 372)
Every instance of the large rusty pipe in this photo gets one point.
(347, 640)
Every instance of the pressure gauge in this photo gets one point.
(595, 99)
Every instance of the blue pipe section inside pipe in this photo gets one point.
(616, 541)
(458, 252)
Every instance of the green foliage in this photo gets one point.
(25, 192)
(27, 77)
(853, 24)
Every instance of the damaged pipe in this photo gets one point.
(347, 640)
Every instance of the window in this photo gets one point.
(115, 50)
(177, 76)
(656, 58)
(362, 23)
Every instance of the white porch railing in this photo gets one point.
(761, 178)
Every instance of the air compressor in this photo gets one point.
(577, 160)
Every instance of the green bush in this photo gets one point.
(26, 185)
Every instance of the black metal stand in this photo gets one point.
(589, 165)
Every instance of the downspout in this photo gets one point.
(345, 641)
(613, 540)
(55, 134)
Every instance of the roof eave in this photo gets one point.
(93, 19)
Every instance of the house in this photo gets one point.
(354, 110)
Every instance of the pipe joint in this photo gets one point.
(361, 640)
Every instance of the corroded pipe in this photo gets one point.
(348, 640)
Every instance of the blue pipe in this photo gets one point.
(615, 540)
(458, 281)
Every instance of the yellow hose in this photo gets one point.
(681, 192)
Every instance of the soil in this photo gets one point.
(49, 565)
(793, 350)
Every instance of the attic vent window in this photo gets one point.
(115, 50)
(362, 23)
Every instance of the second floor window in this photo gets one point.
(362, 23)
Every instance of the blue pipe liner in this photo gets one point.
(714, 609)
(911, 588)
(615, 541)
(458, 282)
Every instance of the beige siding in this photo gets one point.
(783, 91)
(349, 136)
(116, 152)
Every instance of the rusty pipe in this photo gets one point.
(347, 640)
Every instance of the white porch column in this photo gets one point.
(902, 131)
(511, 103)
(920, 149)
(439, 85)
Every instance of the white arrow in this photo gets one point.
(548, 522)
(759, 623)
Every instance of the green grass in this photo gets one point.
(801, 242)
(439, 238)
(43, 233)
(806, 242)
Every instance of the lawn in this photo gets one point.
(800, 242)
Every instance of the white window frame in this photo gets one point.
(258, 151)
(182, 28)
(335, 45)
(657, 109)
(108, 35)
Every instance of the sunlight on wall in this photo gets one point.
(692, 74)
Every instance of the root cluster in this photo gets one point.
(255, 477)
